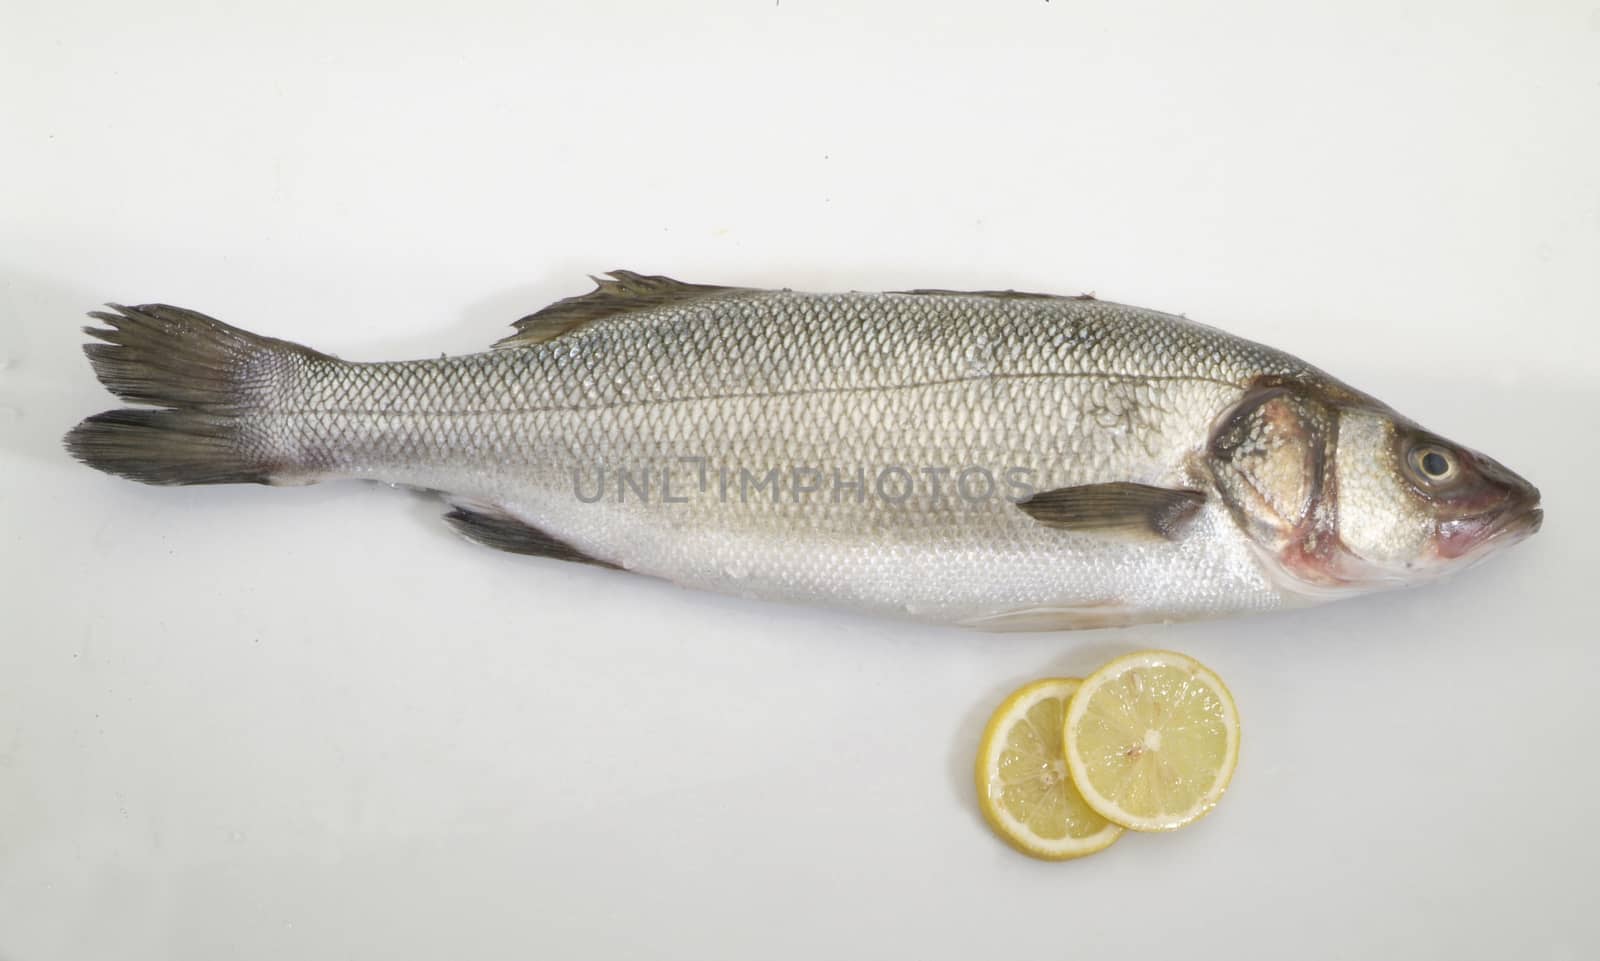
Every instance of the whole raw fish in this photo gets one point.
(996, 459)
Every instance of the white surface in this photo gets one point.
(252, 723)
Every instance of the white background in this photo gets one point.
(311, 723)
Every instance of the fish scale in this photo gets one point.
(1082, 392)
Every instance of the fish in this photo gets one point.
(999, 460)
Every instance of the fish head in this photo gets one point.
(1415, 505)
(1340, 494)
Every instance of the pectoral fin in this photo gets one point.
(1133, 510)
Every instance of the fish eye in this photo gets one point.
(1432, 464)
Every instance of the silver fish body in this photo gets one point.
(868, 450)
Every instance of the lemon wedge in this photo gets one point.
(1151, 740)
(1023, 787)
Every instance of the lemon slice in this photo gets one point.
(1023, 787)
(1152, 740)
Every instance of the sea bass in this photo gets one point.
(996, 459)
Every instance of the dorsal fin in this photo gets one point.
(616, 292)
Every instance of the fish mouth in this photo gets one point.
(1535, 520)
(1515, 527)
(1475, 538)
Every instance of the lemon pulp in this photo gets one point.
(1024, 789)
(1151, 740)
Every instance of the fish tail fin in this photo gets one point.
(206, 380)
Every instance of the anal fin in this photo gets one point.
(506, 533)
(1119, 508)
